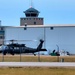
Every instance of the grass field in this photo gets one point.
(37, 71)
(32, 58)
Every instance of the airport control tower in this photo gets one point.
(31, 17)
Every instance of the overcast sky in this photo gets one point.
(53, 11)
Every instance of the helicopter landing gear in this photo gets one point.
(34, 54)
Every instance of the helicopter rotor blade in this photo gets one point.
(17, 40)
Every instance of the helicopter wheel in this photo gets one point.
(34, 54)
(4, 53)
(12, 53)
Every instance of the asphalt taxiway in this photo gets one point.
(37, 64)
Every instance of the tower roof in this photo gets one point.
(31, 12)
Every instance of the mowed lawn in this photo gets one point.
(32, 58)
(37, 71)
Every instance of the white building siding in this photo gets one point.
(64, 37)
(21, 34)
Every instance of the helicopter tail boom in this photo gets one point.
(43, 50)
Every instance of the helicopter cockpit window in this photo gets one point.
(17, 48)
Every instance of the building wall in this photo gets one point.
(64, 37)
(31, 21)
(59, 36)
(19, 33)
(1, 35)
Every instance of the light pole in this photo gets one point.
(20, 53)
(58, 53)
(3, 54)
(44, 37)
(38, 55)
(3, 58)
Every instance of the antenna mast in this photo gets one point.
(31, 3)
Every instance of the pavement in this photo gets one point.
(37, 64)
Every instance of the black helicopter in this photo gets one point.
(15, 48)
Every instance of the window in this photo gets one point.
(1, 37)
(33, 14)
(24, 19)
(34, 23)
(1, 28)
(41, 18)
(34, 18)
(21, 18)
(27, 15)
